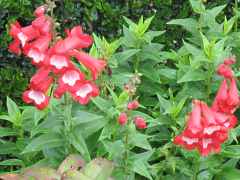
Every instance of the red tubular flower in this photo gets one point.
(140, 122)
(38, 98)
(225, 71)
(230, 61)
(233, 97)
(14, 47)
(76, 40)
(194, 124)
(221, 96)
(37, 49)
(206, 146)
(227, 98)
(70, 77)
(210, 129)
(58, 63)
(188, 143)
(27, 33)
(83, 91)
(122, 119)
(67, 82)
(94, 65)
(133, 105)
(41, 81)
(43, 24)
(40, 11)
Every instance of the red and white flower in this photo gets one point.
(94, 65)
(38, 98)
(83, 91)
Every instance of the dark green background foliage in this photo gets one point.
(100, 16)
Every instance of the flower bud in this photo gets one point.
(140, 122)
(230, 60)
(122, 119)
(133, 105)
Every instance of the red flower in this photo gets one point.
(225, 71)
(227, 98)
(230, 60)
(67, 81)
(211, 129)
(14, 47)
(83, 91)
(43, 24)
(25, 34)
(58, 63)
(133, 105)
(122, 119)
(94, 65)
(140, 122)
(38, 98)
(41, 81)
(194, 124)
(188, 143)
(76, 40)
(40, 11)
(35, 40)
(37, 49)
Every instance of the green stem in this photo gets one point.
(209, 81)
(136, 64)
(126, 150)
(196, 169)
(67, 120)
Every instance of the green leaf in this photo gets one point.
(13, 112)
(7, 132)
(228, 174)
(150, 35)
(115, 149)
(79, 143)
(50, 140)
(122, 99)
(102, 104)
(206, 45)
(13, 109)
(12, 162)
(81, 117)
(143, 25)
(193, 50)
(140, 140)
(33, 114)
(140, 164)
(198, 6)
(232, 151)
(228, 24)
(8, 148)
(189, 24)
(125, 55)
(193, 75)
(164, 104)
(6, 117)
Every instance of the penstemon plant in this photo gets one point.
(56, 75)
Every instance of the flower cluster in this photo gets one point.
(208, 127)
(138, 120)
(53, 59)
